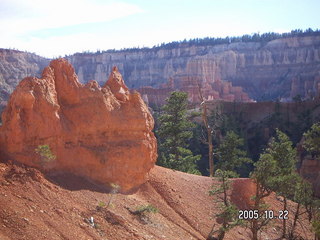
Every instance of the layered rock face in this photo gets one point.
(282, 68)
(310, 170)
(218, 90)
(103, 133)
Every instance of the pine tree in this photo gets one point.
(275, 171)
(312, 145)
(229, 212)
(312, 140)
(302, 195)
(175, 130)
(263, 174)
(285, 156)
(231, 157)
(230, 154)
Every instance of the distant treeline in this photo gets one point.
(211, 41)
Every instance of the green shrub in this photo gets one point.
(101, 205)
(45, 154)
(146, 209)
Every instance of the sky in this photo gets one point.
(62, 27)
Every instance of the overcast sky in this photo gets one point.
(55, 28)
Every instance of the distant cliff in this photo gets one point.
(14, 66)
(281, 68)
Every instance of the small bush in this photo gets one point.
(101, 205)
(115, 188)
(45, 153)
(143, 213)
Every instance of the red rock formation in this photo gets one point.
(104, 134)
(242, 191)
(310, 170)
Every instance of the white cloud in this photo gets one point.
(55, 46)
(19, 18)
(40, 14)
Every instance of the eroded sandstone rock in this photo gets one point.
(103, 133)
(218, 90)
(264, 70)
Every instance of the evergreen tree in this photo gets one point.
(312, 145)
(175, 130)
(281, 150)
(263, 174)
(231, 157)
(230, 154)
(302, 195)
(275, 171)
(312, 140)
(229, 212)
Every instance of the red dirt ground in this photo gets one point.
(34, 206)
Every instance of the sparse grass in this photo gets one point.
(143, 212)
(101, 205)
(146, 209)
(97, 226)
(115, 188)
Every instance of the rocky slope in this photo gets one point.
(103, 133)
(38, 207)
(280, 68)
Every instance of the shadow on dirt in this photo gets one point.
(73, 182)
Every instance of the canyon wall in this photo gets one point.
(278, 69)
(282, 68)
(310, 170)
(14, 66)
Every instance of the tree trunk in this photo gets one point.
(209, 135)
(284, 221)
(210, 235)
(211, 169)
(254, 233)
(209, 130)
(296, 216)
(221, 235)
(222, 231)
(254, 225)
